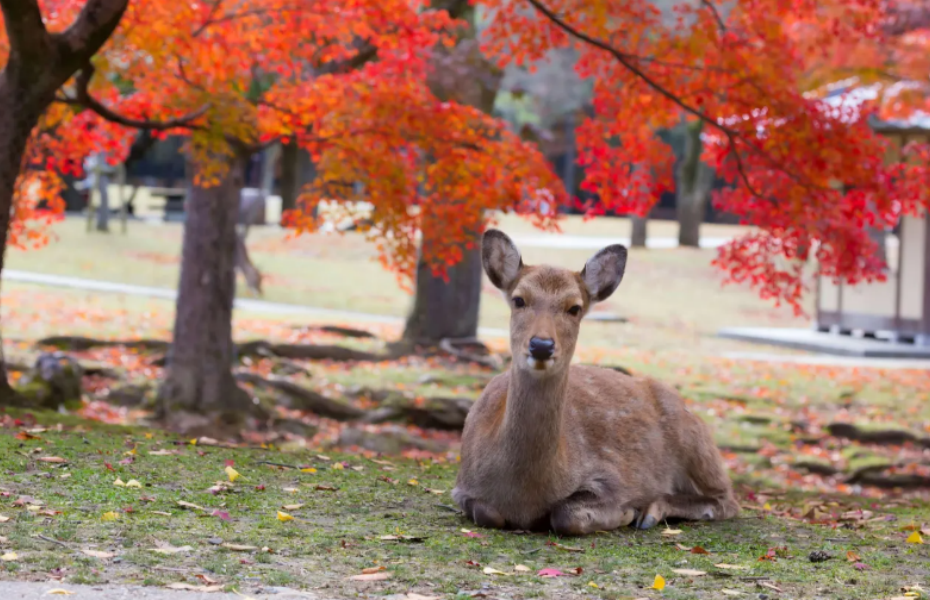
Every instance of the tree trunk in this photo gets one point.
(290, 176)
(638, 238)
(199, 378)
(444, 309)
(695, 180)
(103, 211)
(15, 127)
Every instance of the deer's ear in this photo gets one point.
(500, 258)
(604, 271)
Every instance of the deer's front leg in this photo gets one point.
(584, 516)
(482, 514)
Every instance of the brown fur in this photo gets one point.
(578, 449)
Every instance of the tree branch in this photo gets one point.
(25, 30)
(86, 100)
(93, 27)
(717, 17)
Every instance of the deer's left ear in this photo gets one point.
(604, 271)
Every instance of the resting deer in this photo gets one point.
(578, 449)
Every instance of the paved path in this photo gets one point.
(17, 590)
(261, 306)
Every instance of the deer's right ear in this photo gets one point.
(501, 259)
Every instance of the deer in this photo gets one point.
(575, 449)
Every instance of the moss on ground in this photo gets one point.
(57, 511)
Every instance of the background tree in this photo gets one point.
(742, 73)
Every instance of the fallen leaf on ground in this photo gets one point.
(109, 516)
(119, 483)
(771, 586)
(521, 568)
(9, 556)
(550, 572)
(239, 547)
(194, 588)
(566, 548)
(731, 592)
(207, 579)
(689, 572)
(222, 514)
(97, 553)
(671, 532)
(492, 571)
(852, 556)
(658, 583)
(370, 570)
(60, 592)
(52, 459)
(184, 504)
(730, 567)
(283, 516)
(402, 538)
(4, 519)
(165, 452)
(308, 470)
(293, 506)
(171, 549)
(326, 488)
(160, 512)
(415, 596)
(232, 473)
(699, 550)
(915, 538)
(132, 483)
(371, 577)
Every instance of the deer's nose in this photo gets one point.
(541, 349)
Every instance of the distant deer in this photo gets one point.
(578, 449)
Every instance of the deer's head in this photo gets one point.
(547, 303)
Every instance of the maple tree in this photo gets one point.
(238, 76)
(810, 176)
(41, 47)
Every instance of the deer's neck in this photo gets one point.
(533, 417)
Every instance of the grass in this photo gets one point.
(337, 534)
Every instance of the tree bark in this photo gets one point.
(695, 180)
(290, 170)
(38, 63)
(199, 377)
(638, 237)
(103, 211)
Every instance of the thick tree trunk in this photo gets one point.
(290, 176)
(15, 126)
(695, 180)
(638, 237)
(199, 379)
(444, 309)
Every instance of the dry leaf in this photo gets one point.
(671, 532)
(413, 482)
(9, 556)
(771, 586)
(283, 516)
(308, 470)
(338, 466)
(206, 578)
(689, 572)
(239, 547)
(521, 568)
(293, 506)
(658, 583)
(370, 570)
(171, 550)
(194, 588)
(326, 488)
(731, 592)
(291, 490)
(60, 592)
(915, 538)
(119, 483)
(731, 567)
(415, 596)
(160, 512)
(852, 556)
(567, 548)
(492, 571)
(4, 519)
(97, 553)
(52, 459)
(184, 504)
(132, 483)
(699, 550)
(165, 452)
(232, 473)
(109, 516)
(371, 577)
(322, 457)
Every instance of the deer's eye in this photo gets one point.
(519, 302)
(574, 311)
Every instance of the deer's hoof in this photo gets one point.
(645, 521)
